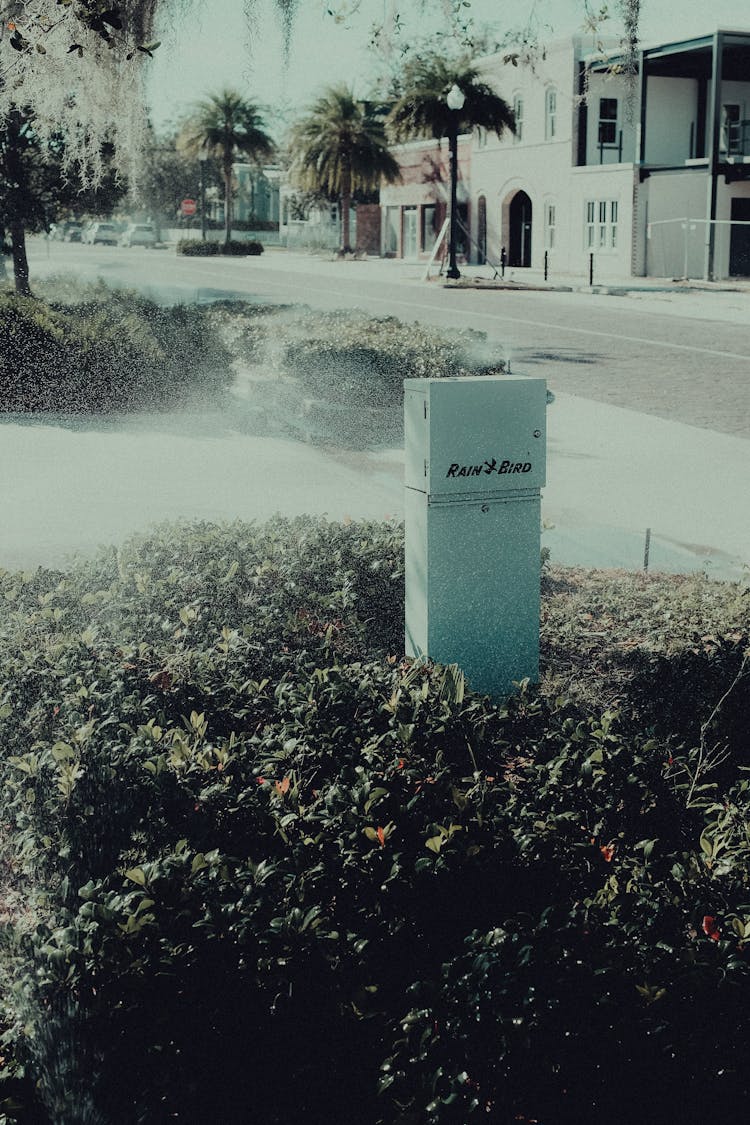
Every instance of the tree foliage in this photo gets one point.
(79, 64)
(78, 67)
(340, 147)
(420, 108)
(34, 189)
(169, 175)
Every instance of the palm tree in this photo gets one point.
(421, 109)
(340, 147)
(225, 125)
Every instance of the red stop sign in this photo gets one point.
(188, 206)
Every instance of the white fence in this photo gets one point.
(301, 234)
(679, 248)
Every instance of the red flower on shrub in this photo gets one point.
(261, 780)
(608, 851)
(709, 927)
(381, 836)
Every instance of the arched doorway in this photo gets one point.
(519, 232)
(481, 230)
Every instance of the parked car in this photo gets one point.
(102, 232)
(138, 234)
(68, 231)
(72, 231)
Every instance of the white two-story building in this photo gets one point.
(649, 173)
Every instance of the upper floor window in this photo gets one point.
(550, 114)
(518, 114)
(607, 121)
(481, 137)
(549, 226)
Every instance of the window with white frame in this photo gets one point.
(607, 121)
(549, 226)
(518, 114)
(600, 224)
(550, 114)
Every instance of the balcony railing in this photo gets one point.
(616, 147)
(735, 139)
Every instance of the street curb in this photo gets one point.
(616, 290)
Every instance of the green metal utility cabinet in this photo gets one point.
(475, 460)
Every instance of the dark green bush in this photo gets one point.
(348, 367)
(106, 350)
(194, 247)
(279, 873)
(240, 249)
(349, 356)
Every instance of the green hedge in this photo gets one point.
(348, 357)
(105, 350)
(257, 866)
(197, 248)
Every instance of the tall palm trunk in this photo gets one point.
(346, 203)
(227, 202)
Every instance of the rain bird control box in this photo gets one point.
(475, 461)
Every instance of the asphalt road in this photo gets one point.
(683, 356)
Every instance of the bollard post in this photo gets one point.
(647, 548)
(502, 262)
(591, 269)
(545, 265)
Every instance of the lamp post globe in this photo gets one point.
(454, 99)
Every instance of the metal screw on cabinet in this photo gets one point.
(537, 433)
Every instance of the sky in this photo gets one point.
(215, 44)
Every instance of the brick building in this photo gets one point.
(413, 212)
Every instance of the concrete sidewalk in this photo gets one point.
(403, 269)
(721, 300)
(612, 473)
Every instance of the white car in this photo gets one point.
(138, 234)
(101, 232)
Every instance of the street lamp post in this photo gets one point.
(455, 99)
(203, 157)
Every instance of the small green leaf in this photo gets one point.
(231, 572)
(136, 875)
(61, 751)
